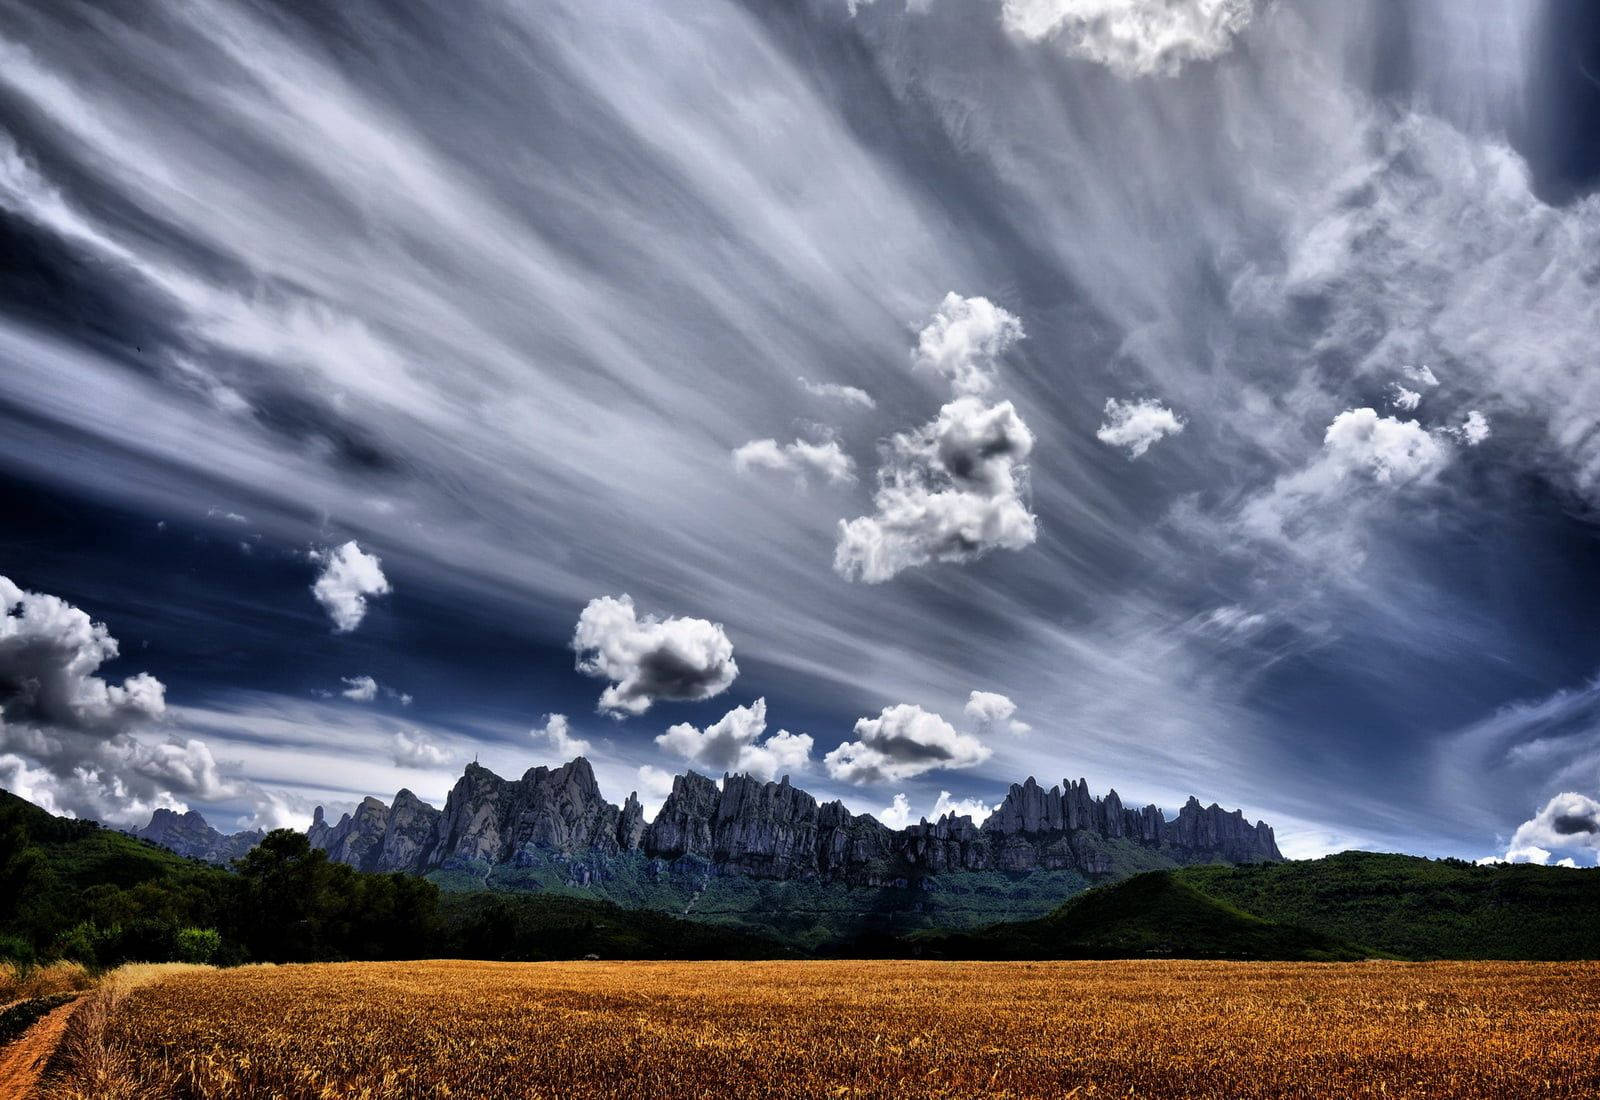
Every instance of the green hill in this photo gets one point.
(1351, 905)
(1422, 908)
(1157, 914)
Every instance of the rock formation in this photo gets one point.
(771, 831)
(189, 834)
(558, 817)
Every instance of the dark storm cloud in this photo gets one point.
(1575, 824)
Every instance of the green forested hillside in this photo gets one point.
(1422, 908)
(1349, 905)
(1157, 914)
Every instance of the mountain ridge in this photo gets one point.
(557, 819)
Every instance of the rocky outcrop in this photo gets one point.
(1040, 819)
(745, 826)
(548, 812)
(189, 834)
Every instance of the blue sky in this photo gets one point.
(1215, 381)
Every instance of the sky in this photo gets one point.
(1198, 397)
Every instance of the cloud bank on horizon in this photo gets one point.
(1189, 394)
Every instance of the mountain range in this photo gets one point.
(556, 821)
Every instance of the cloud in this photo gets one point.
(1381, 447)
(950, 491)
(1422, 375)
(557, 734)
(1473, 430)
(1568, 823)
(185, 766)
(415, 750)
(1133, 37)
(733, 744)
(896, 815)
(800, 458)
(974, 808)
(69, 736)
(33, 784)
(654, 786)
(349, 576)
(1232, 620)
(993, 711)
(1137, 425)
(850, 395)
(1404, 399)
(1361, 451)
(902, 742)
(49, 653)
(963, 340)
(648, 659)
(361, 689)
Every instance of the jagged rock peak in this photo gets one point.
(558, 817)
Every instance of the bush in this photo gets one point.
(197, 945)
(16, 949)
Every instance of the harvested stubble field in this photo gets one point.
(878, 1029)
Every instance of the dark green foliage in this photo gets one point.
(1157, 914)
(1422, 908)
(94, 894)
(1349, 905)
(485, 925)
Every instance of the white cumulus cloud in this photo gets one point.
(975, 808)
(70, 736)
(648, 658)
(897, 814)
(904, 741)
(951, 491)
(1568, 823)
(1381, 447)
(414, 750)
(963, 341)
(1137, 425)
(802, 459)
(349, 577)
(556, 734)
(733, 743)
(850, 395)
(1421, 374)
(360, 689)
(1133, 37)
(1404, 399)
(1473, 430)
(990, 710)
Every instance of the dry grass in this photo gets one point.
(24, 983)
(869, 1029)
(92, 1064)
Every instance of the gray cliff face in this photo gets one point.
(190, 835)
(547, 812)
(356, 835)
(770, 830)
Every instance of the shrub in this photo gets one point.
(197, 945)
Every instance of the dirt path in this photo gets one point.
(23, 1061)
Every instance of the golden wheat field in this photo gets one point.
(868, 1029)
